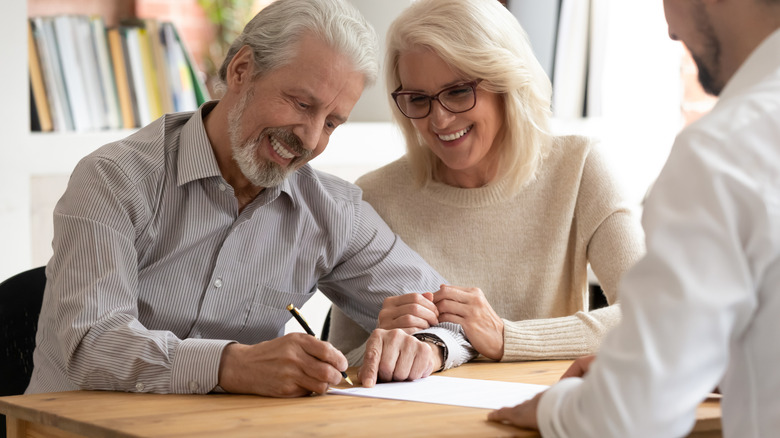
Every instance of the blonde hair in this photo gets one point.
(482, 40)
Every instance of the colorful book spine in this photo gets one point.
(37, 85)
(121, 78)
(85, 76)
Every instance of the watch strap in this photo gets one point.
(435, 340)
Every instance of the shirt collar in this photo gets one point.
(196, 156)
(763, 61)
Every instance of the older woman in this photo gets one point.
(489, 197)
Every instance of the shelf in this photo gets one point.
(58, 153)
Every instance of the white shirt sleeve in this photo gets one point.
(685, 303)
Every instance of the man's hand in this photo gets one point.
(410, 312)
(469, 308)
(294, 365)
(522, 415)
(579, 367)
(394, 355)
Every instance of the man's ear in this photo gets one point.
(241, 68)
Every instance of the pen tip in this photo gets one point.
(349, 381)
(290, 306)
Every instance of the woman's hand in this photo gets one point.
(410, 312)
(469, 308)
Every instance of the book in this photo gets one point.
(121, 79)
(35, 121)
(90, 71)
(136, 74)
(149, 69)
(72, 73)
(201, 92)
(182, 88)
(106, 73)
(46, 42)
(155, 34)
(39, 104)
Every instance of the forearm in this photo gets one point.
(558, 338)
(129, 358)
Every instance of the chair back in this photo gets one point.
(20, 304)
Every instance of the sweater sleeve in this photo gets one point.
(558, 338)
(615, 241)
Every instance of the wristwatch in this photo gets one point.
(435, 340)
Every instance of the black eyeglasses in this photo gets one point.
(458, 98)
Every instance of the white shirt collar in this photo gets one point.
(764, 60)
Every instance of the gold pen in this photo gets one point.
(298, 317)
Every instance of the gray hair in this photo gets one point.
(273, 35)
(482, 40)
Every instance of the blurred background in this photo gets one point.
(616, 77)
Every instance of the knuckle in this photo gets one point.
(405, 321)
(397, 334)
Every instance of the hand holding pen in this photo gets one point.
(298, 317)
(293, 365)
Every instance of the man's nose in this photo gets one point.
(310, 134)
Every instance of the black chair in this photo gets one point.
(20, 304)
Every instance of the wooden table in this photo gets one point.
(119, 414)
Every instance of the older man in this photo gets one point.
(177, 249)
(702, 309)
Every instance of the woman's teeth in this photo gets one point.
(454, 135)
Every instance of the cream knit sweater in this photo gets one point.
(528, 252)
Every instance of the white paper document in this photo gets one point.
(487, 394)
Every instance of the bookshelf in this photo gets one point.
(25, 154)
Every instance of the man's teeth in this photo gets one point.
(455, 135)
(284, 153)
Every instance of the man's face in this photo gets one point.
(285, 118)
(688, 22)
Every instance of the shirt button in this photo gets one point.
(139, 387)
(196, 335)
(194, 386)
(218, 283)
(222, 187)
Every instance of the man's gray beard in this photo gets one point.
(259, 172)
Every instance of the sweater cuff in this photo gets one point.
(195, 368)
(553, 338)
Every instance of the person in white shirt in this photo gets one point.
(702, 309)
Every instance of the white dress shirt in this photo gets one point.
(702, 308)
